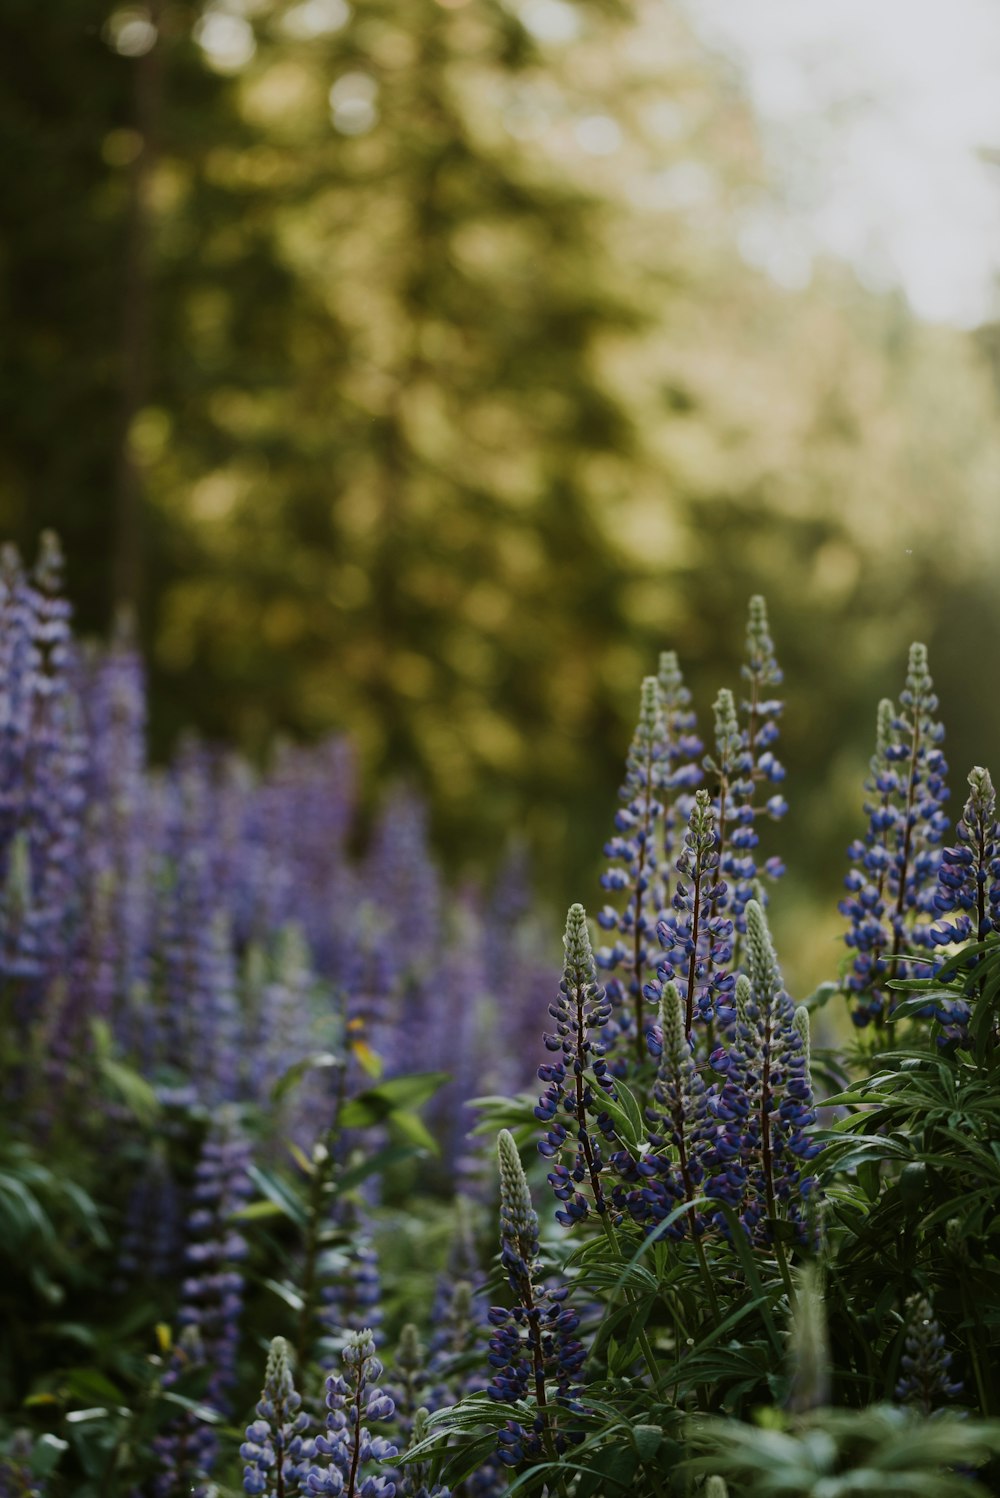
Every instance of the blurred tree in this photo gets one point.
(400, 360)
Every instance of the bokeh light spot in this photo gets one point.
(130, 31)
(353, 103)
(226, 40)
(315, 18)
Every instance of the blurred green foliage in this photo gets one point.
(432, 407)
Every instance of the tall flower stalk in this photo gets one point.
(893, 884)
(633, 870)
(580, 1010)
(534, 1340)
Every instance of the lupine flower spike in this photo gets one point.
(580, 1010)
(696, 936)
(534, 1340)
(682, 758)
(778, 1089)
(634, 866)
(352, 1399)
(968, 892)
(276, 1454)
(674, 1169)
(894, 882)
(925, 1363)
(415, 1481)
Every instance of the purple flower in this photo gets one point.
(893, 883)
(744, 760)
(769, 1062)
(42, 769)
(681, 757)
(534, 1341)
(276, 1453)
(969, 875)
(925, 1363)
(347, 1443)
(697, 935)
(570, 1095)
(633, 870)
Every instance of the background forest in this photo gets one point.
(396, 366)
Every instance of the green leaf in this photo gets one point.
(647, 1440)
(401, 1093)
(138, 1095)
(380, 1161)
(287, 1293)
(412, 1127)
(280, 1194)
(319, 1061)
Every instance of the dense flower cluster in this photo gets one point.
(580, 1010)
(893, 882)
(697, 934)
(634, 867)
(744, 760)
(347, 1443)
(211, 1303)
(681, 760)
(924, 1378)
(732, 1128)
(968, 893)
(769, 1063)
(276, 1451)
(199, 957)
(534, 1346)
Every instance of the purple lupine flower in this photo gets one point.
(403, 887)
(535, 1339)
(278, 992)
(42, 749)
(968, 895)
(969, 877)
(185, 1450)
(743, 760)
(414, 1481)
(761, 732)
(458, 1317)
(673, 1170)
(893, 885)
(212, 1291)
(347, 1442)
(350, 1287)
(151, 1243)
(697, 935)
(682, 758)
(770, 1062)
(16, 1477)
(633, 871)
(302, 817)
(924, 1377)
(277, 1454)
(580, 1009)
(199, 1011)
(865, 904)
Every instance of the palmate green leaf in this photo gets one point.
(831, 1452)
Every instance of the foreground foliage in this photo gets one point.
(244, 1226)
